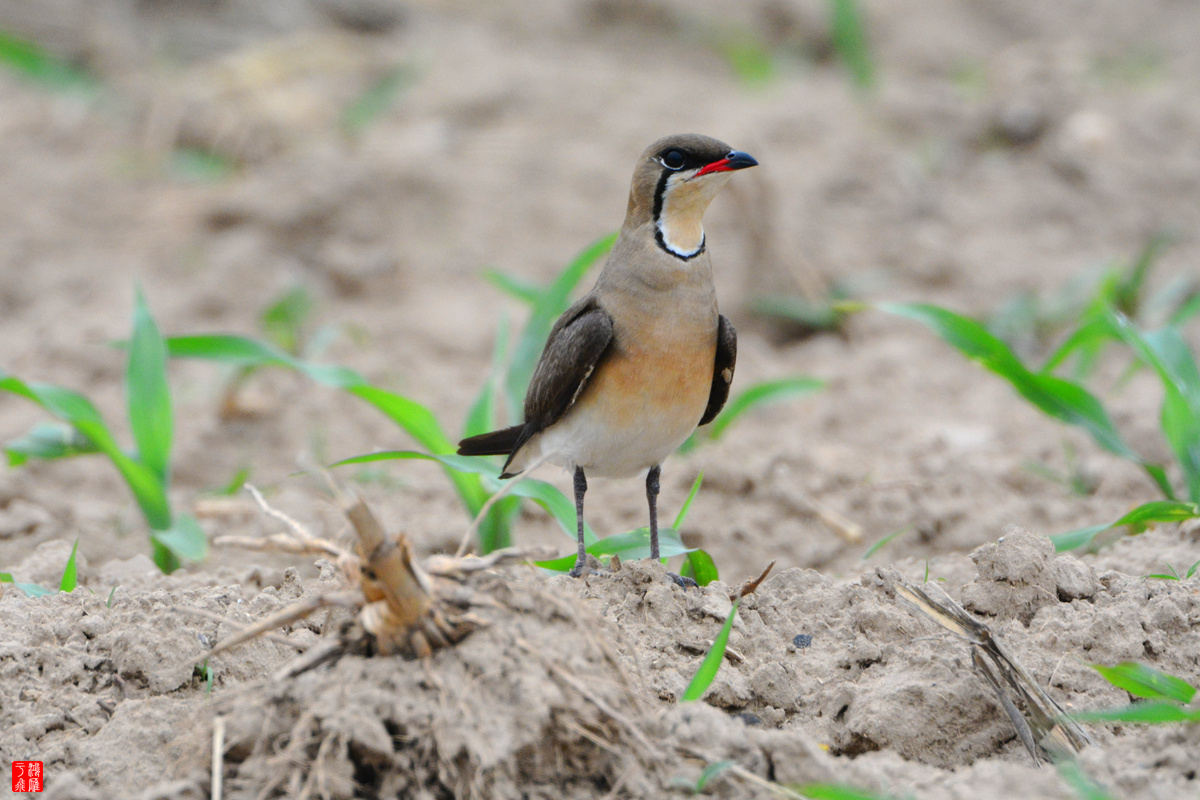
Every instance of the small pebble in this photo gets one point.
(802, 640)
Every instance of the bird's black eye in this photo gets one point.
(673, 159)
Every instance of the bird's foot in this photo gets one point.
(682, 581)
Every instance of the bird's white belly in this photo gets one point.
(581, 440)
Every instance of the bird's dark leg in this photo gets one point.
(652, 500)
(580, 490)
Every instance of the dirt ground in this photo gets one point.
(1008, 148)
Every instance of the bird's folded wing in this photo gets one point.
(576, 346)
(722, 369)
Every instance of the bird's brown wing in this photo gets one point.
(577, 344)
(722, 369)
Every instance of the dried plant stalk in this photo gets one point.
(400, 609)
(1045, 725)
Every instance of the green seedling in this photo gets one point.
(1163, 350)
(200, 165)
(206, 674)
(1123, 288)
(711, 664)
(748, 56)
(146, 471)
(801, 316)
(377, 99)
(70, 578)
(885, 541)
(412, 417)
(1165, 697)
(1074, 478)
(285, 323)
(36, 64)
(710, 771)
(832, 791)
(848, 35)
(1175, 576)
(756, 395)
(1083, 786)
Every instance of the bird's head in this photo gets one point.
(675, 180)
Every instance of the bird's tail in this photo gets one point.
(496, 443)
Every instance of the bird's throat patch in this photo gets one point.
(679, 205)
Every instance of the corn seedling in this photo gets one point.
(37, 65)
(1030, 323)
(1163, 350)
(147, 470)
(1083, 786)
(833, 791)
(800, 316)
(711, 664)
(1175, 576)
(1165, 697)
(200, 165)
(848, 35)
(377, 99)
(68, 582)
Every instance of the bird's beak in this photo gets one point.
(735, 160)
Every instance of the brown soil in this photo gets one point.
(1008, 148)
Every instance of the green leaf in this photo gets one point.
(482, 418)
(747, 54)
(200, 165)
(1146, 711)
(700, 567)
(46, 442)
(70, 576)
(873, 549)
(378, 98)
(147, 392)
(548, 307)
(35, 63)
(185, 539)
(627, 546)
(829, 791)
(1138, 519)
(849, 39)
(687, 504)
(1083, 786)
(709, 772)
(1189, 309)
(1143, 681)
(523, 290)
(712, 660)
(1166, 352)
(815, 316)
(30, 589)
(77, 410)
(283, 321)
(1056, 397)
(754, 396)
(556, 504)
(414, 418)
(246, 352)
(1089, 338)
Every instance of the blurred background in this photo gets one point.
(354, 165)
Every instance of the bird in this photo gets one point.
(631, 370)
